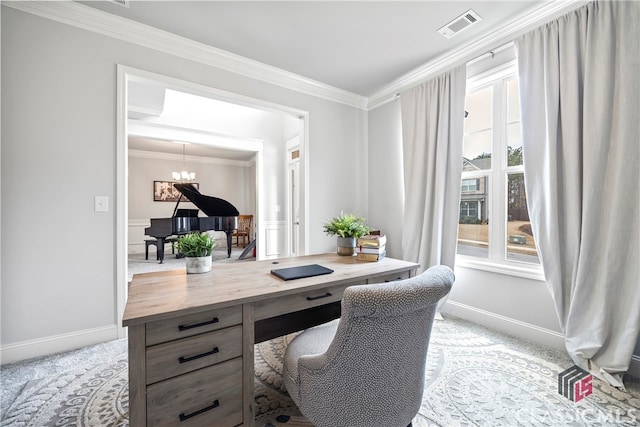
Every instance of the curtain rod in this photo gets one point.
(491, 53)
(478, 58)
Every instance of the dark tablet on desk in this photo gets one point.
(301, 271)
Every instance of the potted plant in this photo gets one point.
(197, 248)
(347, 228)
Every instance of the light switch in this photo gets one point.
(101, 204)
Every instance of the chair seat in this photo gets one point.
(315, 340)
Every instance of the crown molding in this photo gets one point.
(90, 19)
(191, 159)
(467, 52)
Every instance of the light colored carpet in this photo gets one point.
(474, 377)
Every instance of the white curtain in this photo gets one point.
(432, 131)
(580, 103)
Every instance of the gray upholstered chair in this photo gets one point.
(367, 368)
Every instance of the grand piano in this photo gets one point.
(221, 216)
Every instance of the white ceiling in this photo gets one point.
(358, 46)
(141, 143)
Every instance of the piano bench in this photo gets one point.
(154, 242)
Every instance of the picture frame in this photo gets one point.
(164, 191)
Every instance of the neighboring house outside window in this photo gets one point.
(474, 193)
(494, 221)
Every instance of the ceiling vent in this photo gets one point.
(460, 24)
(124, 3)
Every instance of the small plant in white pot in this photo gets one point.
(347, 228)
(197, 248)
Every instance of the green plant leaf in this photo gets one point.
(195, 244)
(346, 225)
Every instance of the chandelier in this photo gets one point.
(183, 175)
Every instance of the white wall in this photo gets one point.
(226, 181)
(59, 151)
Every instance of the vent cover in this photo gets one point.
(460, 24)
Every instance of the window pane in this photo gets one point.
(469, 185)
(513, 101)
(514, 145)
(473, 226)
(521, 245)
(514, 136)
(476, 151)
(478, 105)
(478, 133)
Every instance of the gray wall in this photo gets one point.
(59, 151)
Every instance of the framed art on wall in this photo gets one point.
(164, 191)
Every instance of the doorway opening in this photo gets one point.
(245, 133)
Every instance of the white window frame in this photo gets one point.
(497, 261)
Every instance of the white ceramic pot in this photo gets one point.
(198, 264)
(346, 246)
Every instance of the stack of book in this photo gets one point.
(371, 248)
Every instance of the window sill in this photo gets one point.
(527, 271)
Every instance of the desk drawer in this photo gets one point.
(207, 397)
(288, 304)
(188, 354)
(192, 324)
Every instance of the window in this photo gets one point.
(468, 209)
(469, 185)
(494, 221)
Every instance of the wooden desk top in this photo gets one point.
(161, 295)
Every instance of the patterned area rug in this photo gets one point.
(475, 377)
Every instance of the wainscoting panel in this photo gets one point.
(137, 236)
(274, 232)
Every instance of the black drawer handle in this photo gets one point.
(198, 356)
(184, 417)
(197, 325)
(328, 294)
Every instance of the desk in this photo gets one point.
(191, 337)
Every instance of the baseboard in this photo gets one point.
(634, 367)
(519, 329)
(57, 343)
(505, 324)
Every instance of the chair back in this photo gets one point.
(376, 360)
(244, 223)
